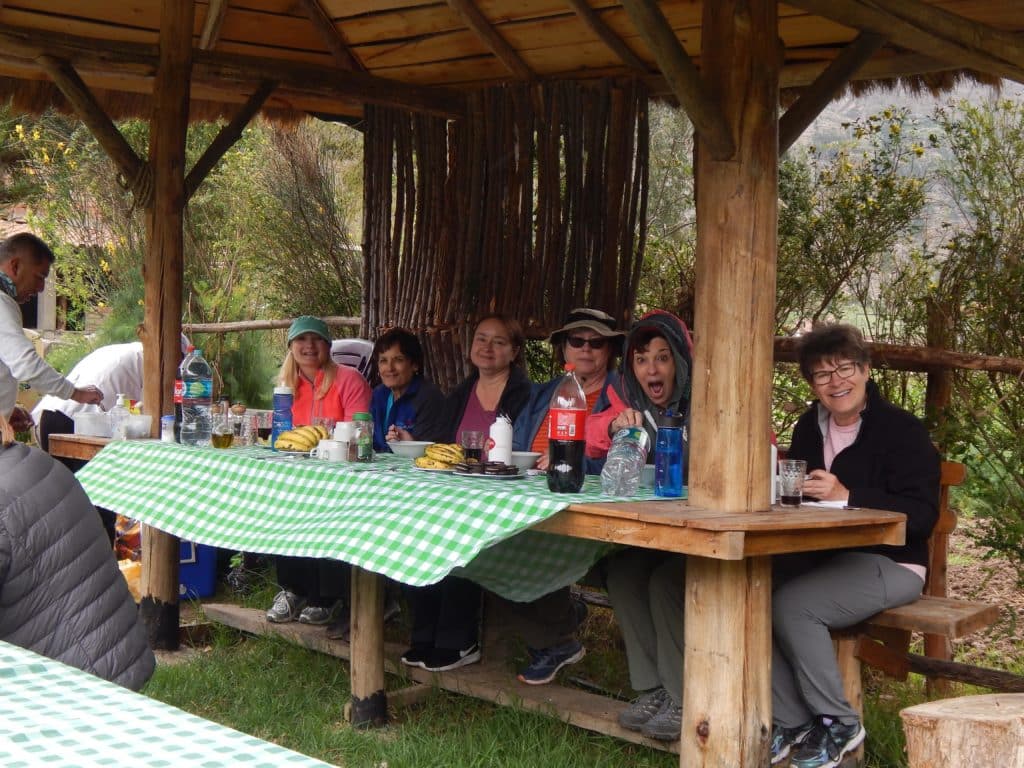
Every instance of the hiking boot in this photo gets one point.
(341, 627)
(785, 739)
(318, 615)
(417, 656)
(443, 659)
(545, 662)
(287, 606)
(667, 724)
(827, 743)
(643, 708)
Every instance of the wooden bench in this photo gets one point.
(883, 641)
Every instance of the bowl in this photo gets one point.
(138, 426)
(94, 423)
(525, 459)
(410, 449)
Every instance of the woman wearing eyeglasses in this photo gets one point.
(862, 450)
(590, 341)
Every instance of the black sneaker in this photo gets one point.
(444, 659)
(667, 725)
(417, 656)
(827, 743)
(643, 708)
(545, 662)
(784, 739)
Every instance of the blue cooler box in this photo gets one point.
(197, 576)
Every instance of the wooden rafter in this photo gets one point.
(682, 76)
(226, 137)
(878, 68)
(332, 36)
(829, 83)
(594, 23)
(931, 31)
(215, 12)
(232, 70)
(476, 21)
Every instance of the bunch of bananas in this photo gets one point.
(301, 438)
(440, 456)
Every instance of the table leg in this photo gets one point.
(369, 702)
(727, 663)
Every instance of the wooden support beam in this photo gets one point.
(226, 138)
(593, 22)
(335, 321)
(931, 31)
(798, 75)
(332, 36)
(477, 22)
(232, 70)
(704, 112)
(826, 87)
(162, 274)
(88, 110)
(215, 12)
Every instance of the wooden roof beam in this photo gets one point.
(332, 36)
(506, 54)
(878, 68)
(825, 88)
(931, 31)
(215, 12)
(226, 137)
(140, 60)
(593, 22)
(704, 112)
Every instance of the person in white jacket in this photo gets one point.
(25, 263)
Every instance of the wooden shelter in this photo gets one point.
(723, 61)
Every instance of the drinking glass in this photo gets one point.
(262, 427)
(472, 442)
(791, 481)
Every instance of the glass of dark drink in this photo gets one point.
(261, 426)
(791, 481)
(472, 442)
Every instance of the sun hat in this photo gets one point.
(594, 320)
(308, 324)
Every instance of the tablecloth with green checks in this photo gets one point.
(55, 715)
(386, 517)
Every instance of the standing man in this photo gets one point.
(25, 262)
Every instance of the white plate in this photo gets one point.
(434, 469)
(485, 476)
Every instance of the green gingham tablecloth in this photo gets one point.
(412, 526)
(55, 715)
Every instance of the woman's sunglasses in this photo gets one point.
(577, 342)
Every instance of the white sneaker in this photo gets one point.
(287, 606)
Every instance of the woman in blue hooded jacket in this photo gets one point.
(405, 405)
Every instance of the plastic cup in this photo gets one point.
(791, 481)
(472, 442)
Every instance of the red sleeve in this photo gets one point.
(352, 393)
(598, 440)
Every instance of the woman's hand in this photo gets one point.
(628, 418)
(825, 486)
(397, 433)
(542, 462)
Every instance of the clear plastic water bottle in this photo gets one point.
(118, 418)
(196, 399)
(625, 462)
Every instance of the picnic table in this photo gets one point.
(388, 519)
(55, 715)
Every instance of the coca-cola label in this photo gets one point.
(179, 390)
(567, 424)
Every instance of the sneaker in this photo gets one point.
(827, 743)
(287, 606)
(666, 725)
(784, 739)
(417, 656)
(443, 659)
(643, 708)
(318, 615)
(341, 627)
(545, 662)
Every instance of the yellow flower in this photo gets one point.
(101, 304)
(20, 130)
(35, 134)
(142, 303)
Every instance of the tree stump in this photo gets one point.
(972, 730)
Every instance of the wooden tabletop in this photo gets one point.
(67, 446)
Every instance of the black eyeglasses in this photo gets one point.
(577, 342)
(844, 371)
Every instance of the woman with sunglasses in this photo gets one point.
(590, 341)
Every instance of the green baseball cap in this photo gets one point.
(308, 324)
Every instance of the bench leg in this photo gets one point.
(369, 702)
(853, 686)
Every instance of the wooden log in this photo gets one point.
(162, 275)
(240, 326)
(996, 679)
(694, 95)
(331, 36)
(215, 12)
(971, 730)
(593, 22)
(369, 702)
(476, 21)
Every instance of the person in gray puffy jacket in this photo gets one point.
(61, 593)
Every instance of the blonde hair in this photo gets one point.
(289, 375)
(6, 432)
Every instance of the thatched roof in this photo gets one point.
(332, 56)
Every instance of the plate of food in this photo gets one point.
(436, 470)
(492, 470)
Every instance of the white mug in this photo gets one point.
(344, 430)
(330, 450)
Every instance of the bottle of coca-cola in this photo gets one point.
(568, 411)
(179, 392)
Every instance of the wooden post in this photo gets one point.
(369, 702)
(162, 272)
(732, 377)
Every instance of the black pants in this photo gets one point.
(320, 581)
(55, 422)
(445, 615)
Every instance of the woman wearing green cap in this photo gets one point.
(312, 591)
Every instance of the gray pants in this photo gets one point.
(849, 588)
(646, 590)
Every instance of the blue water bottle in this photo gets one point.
(668, 456)
(282, 418)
